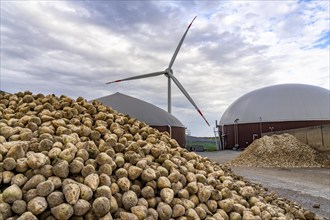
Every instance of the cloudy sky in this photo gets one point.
(233, 47)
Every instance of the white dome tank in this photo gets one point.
(284, 102)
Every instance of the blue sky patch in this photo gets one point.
(324, 41)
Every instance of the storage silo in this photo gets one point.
(274, 108)
(148, 113)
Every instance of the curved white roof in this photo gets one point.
(143, 111)
(284, 102)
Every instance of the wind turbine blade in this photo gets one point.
(179, 46)
(188, 96)
(139, 77)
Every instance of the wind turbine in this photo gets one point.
(168, 72)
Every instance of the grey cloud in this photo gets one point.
(229, 48)
(103, 41)
(123, 15)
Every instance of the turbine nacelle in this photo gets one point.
(168, 72)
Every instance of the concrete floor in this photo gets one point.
(306, 186)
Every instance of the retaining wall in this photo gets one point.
(317, 137)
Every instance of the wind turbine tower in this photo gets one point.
(168, 72)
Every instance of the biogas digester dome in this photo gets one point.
(148, 113)
(274, 108)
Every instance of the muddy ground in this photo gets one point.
(306, 186)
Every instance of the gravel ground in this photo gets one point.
(306, 186)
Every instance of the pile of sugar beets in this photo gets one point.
(71, 159)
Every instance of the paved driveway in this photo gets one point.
(306, 186)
